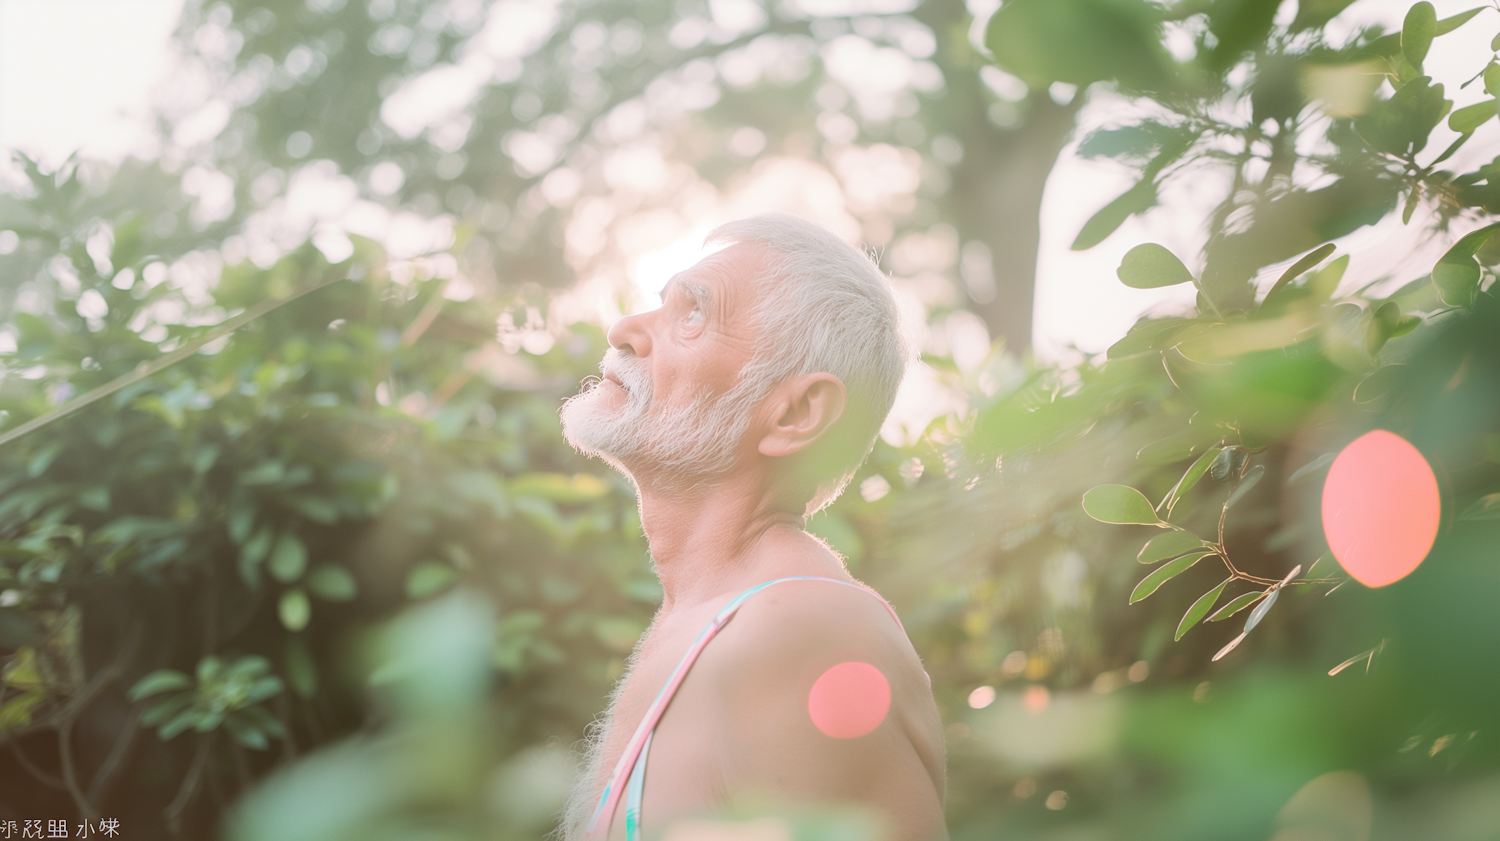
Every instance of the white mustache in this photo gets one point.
(630, 371)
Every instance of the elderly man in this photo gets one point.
(741, 406)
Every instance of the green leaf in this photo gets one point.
(1400, 125)
(1233, 644)
(1252, 476)
(1164, 573)
(245, 733)
(1200, 607)
(210, 668)
(161, 710)
(1417, 32)
(1119, 504)
(1223, 463)
(1452, 22)
(289, 559)
(1307, 471)
(1492, 76)
(1259, 612)
(189, 717)
(1471, 117)
(1309, 260)
(1148, 266)
(1080, 42)
(1457, 274)
(428, 579)
(1486, 507)
(1137, 199)
(294, 609)
(332, 582)
(161, 680)
(1379, 383)
(266, 473)
(1169, 545)
(1325, 281)
(1235, 605)
(254, 552)
(301, 671)
(1190, 478)
(263, 688)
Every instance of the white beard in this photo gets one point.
(687, 446)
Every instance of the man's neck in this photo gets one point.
(723, 537)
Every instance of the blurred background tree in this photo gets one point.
(196, 570)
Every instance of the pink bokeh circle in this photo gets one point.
(1381, 508)
(849, 700)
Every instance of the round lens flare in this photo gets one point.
(1380, 508)
(849, 700)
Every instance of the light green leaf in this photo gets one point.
(1456, 274)
(1233, 644)
(1492, 76)
(1452, 22)
(1235, 605)
(428, 578)
(332, 583)
(1119, 504)
(294, 609)
(1200, 607)
(1417, 32)
(1164, 573)
(182, 721)
(1170, 545)
(1148, 266)
(1486, 507)
(266, 473)
(289, 558)
(1190, 478)
(161, 680)
(1259, 612)
(1252, 476)
(254, 552)
(1307, 471)
(1471, 117)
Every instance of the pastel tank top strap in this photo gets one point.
(630, 771)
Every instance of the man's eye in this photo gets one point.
(695, 318)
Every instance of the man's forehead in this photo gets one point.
(728, 268)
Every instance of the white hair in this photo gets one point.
(824, 308)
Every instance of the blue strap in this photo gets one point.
(633, 793)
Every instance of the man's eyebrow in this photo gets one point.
(697, 291)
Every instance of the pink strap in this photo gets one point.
(610, 797)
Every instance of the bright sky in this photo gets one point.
(76, 74)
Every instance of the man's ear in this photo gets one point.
(802, 409)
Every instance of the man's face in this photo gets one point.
(670, 402)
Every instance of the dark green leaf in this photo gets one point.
(161, 680)
(1417, 32)
(161, 710)
(180, 722)
(1164, 573)
(1137, 199)
(1169, 545)
(1222, 464)
(245, 733)
(301, 671)
(1200, 607)
(1148, 266)
(254, 552)
(1119, 504)
(263, 688)
(1400, 125)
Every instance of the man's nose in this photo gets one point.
(629, 334)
